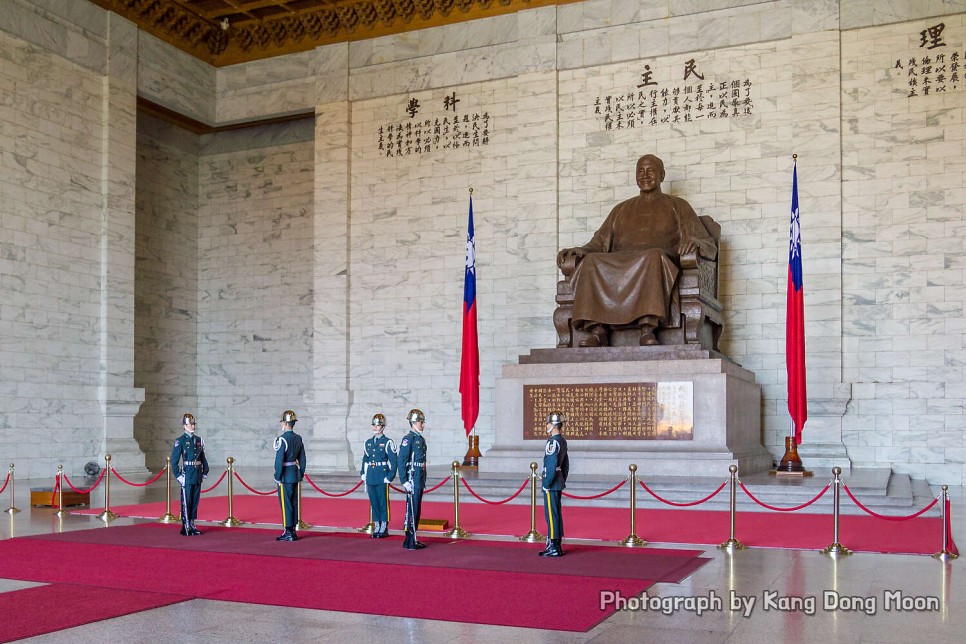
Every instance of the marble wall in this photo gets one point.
(166, 280)
(329, 273)
(255, 241)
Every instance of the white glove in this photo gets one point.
(409, 486)
(180, 479)
(363, 477)
(385, 480)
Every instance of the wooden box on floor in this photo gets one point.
(41, 497)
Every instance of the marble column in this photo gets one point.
(117, 395)
(330, 341)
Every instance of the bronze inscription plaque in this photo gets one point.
(616, 411)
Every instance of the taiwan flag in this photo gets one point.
(795, 321)
(470, 361)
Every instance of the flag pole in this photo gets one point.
(791, 463)
(470, 351)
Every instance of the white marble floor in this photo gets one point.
(876, 585)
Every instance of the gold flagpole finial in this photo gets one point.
(794, 157)
(471, 190)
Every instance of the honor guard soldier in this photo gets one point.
(412, 473)
(378, 470)
(188, 460)
(556, 467)
(289, 470)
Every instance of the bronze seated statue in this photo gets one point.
(649, 276)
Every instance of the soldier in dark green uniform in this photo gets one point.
(378, 469)
(412, 473)
(556, 467)
(289, 470)
(188, 460)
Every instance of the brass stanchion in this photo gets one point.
(301, 525)
(945, 554)
(13, 508)
(106, 516)
(632, 540)
(836, 549)
(732, 543)
(60, 493)
(231, 521)
(533, 536)
(167, 517)
(371, 526)
(457, 532)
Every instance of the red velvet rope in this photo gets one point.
(312, 483)
(251, 489)
(432, 489)
(684, 505)
(5, 483)
(506, 500)
(96, 483)
(124, 480)
(53, 495)
(596, 496)
(438, 485)
(217, 483)
(886, 516)
(777, 509)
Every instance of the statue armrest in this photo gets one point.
(689, 260)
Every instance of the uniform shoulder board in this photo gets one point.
(551, 447)
(279, 442)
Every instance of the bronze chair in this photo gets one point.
(695, 312)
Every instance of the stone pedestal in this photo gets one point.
(726, 412)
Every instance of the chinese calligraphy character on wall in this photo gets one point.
(434, 128)
(691, 99)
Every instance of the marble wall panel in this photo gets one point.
(166, 293)
(255, 299)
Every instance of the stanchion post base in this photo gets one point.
(632, 541)
(302, 525)
(836, 550)
(945, 556)
(532, 537)
(368, 528)
(732, 544)
(106, 516)
(231, 522)
(168, 518)
(12, 510)
(61, 513)
(456, 533)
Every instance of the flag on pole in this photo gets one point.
(470, 360)
(795, 321)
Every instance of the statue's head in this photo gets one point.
(650, 173)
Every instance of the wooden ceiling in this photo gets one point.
(225, 32)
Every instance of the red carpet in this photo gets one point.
(45, 609)
(453, 581)
(922, 535)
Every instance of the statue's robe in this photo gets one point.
(631, 264)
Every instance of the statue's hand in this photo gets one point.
(686, 247)
(567, 253)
